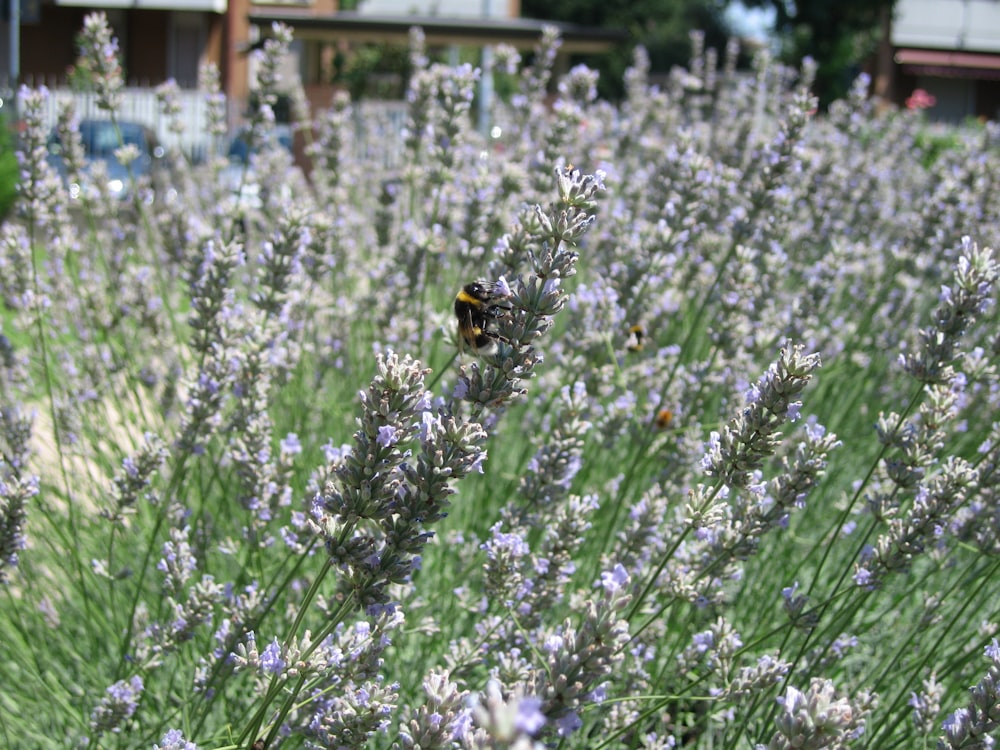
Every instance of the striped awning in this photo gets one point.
(948, 63)
(470, 30)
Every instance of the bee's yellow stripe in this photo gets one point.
(464, 296)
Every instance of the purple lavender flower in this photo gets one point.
(568, 723)
(386, 436)
(99, 56)
(615, 579)
(174, 740)
(971, 725)
(15, 492)
(271, 658)
(117, 706)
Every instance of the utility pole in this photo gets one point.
(485, 80)
(15, 41)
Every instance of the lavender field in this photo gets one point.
(728, 480)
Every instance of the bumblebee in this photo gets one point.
(477, 306)
(636, 334)
(664, 418)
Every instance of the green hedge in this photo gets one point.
(8, 169)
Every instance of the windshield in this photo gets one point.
(239, 149)
(100, 138)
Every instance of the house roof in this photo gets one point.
(519, 32)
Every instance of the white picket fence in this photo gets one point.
(139, 105)
(379, 123)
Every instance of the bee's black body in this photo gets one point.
(636, 334)
(476, 306)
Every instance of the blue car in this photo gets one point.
(239, 175)
(100, 139)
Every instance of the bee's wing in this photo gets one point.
(464, 324)
(466, 321)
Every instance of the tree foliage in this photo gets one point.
(662, 26)
(838, 34)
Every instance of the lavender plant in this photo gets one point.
(728, 478)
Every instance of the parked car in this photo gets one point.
(100, 140)
(239, 176)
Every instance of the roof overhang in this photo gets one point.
(478, 32)
(948, 63)
(209, 6)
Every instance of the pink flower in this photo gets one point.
(920, 99)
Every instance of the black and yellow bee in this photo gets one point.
(635, 342)
(477, 307)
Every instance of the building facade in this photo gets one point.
(951, 50)
(163, 39)
(159, 39)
